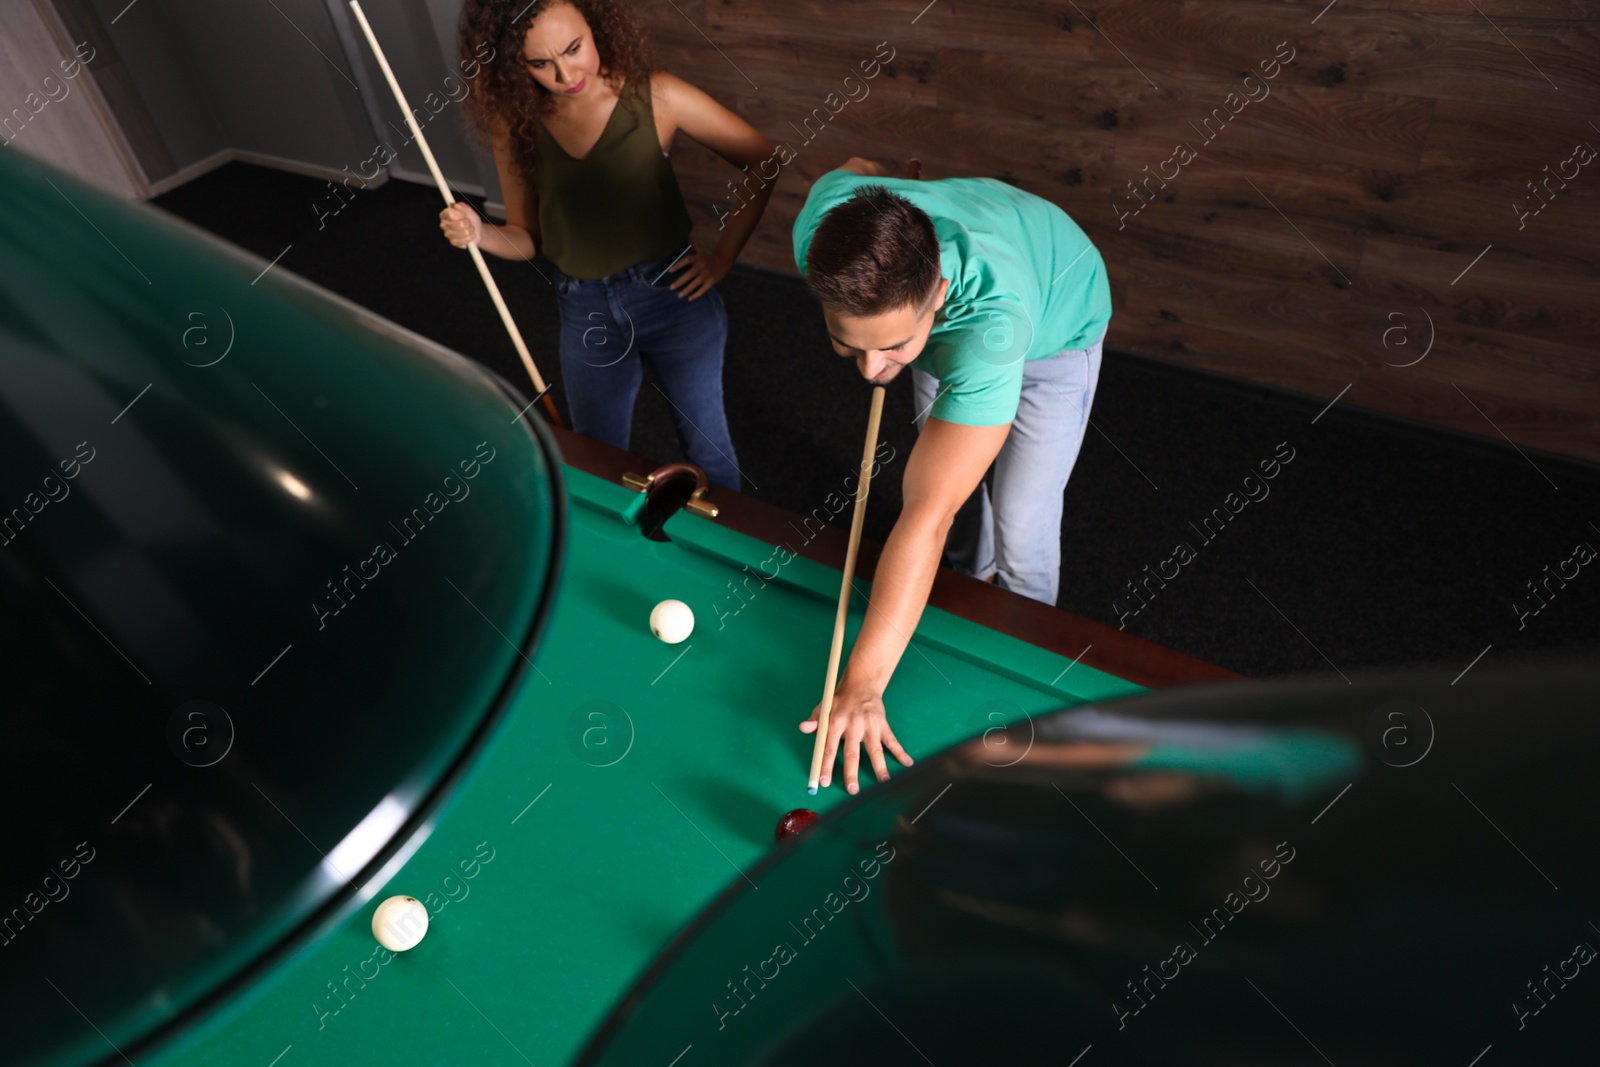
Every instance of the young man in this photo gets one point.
(1002, 303)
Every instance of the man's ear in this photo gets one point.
(944, 287)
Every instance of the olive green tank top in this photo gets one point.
(620, 204)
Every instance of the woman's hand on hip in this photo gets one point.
(701, 271)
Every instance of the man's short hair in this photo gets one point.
(875, 252)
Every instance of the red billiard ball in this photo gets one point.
(793, 822)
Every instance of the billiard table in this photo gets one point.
(361, 625)
(631, 782)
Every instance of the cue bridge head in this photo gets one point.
(668, 488)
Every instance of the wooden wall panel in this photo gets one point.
(1498, 10)
(1515, 295)
(1347, 204)
(1045, 28)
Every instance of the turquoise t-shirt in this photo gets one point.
(1025, 283)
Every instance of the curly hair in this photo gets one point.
(875, 252)
(510, 102)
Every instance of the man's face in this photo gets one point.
(883, 344)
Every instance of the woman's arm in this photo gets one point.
(692, 111)
(518, 238)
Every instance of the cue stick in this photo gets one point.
(449, 199)
(856, 521)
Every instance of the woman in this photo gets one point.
(581, 128)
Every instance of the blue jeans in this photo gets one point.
(1016, 537)
(612, 326)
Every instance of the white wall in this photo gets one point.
(161, 60)
(284, 79)
(419, 38)
(50, 115)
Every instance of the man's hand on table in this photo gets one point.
(859, 718)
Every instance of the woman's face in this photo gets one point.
(559, 52)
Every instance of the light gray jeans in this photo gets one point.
(1016, 537)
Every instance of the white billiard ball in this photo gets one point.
(400, 923)
(672, 621)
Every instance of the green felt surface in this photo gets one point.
(604, 836)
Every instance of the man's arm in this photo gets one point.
(945, 466)
(865, 167)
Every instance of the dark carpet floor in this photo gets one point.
(1378, 543)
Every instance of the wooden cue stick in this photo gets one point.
(856, 521)
(444, 190)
